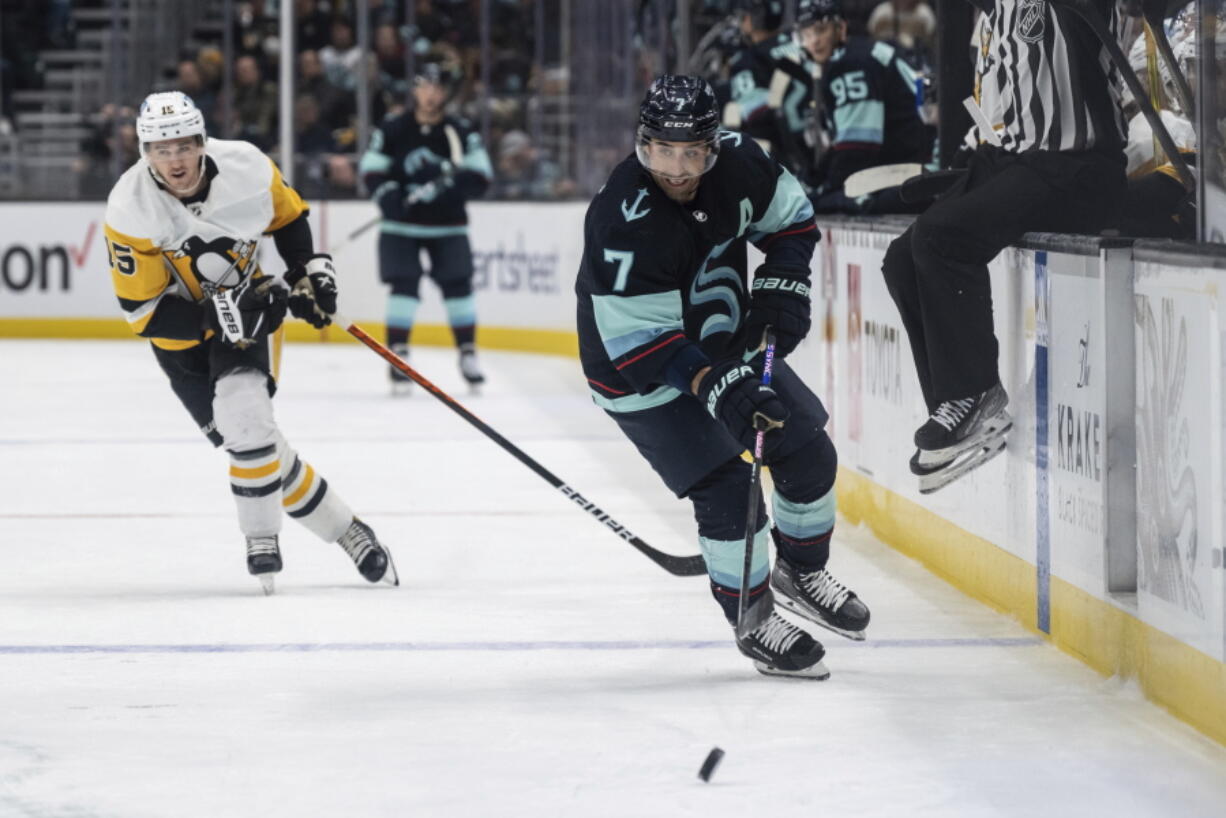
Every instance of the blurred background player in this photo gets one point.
(772, 81)
(183, 227)
(869, 104)
(1057, 166)
(422, 166)
(669, 338)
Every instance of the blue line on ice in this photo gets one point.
(422, 647)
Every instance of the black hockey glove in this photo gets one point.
(736, 397)
(312, 295)
(389, 196)
(244, 314)
(780, 300)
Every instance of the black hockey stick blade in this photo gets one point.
(678, 566)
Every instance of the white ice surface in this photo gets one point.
(531, 664)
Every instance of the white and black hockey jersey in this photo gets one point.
(168, 254)
(1056, 86)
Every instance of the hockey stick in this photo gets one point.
(1154, 14)
(1088, 12)
(871, 180)
(744, 623)
(679, 566)
(340, 245)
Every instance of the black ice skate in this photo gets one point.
(401, 383)
(264, 560)
(469, 367)
(779, 648)
(820, 598)
(374, 562)
(961, 435)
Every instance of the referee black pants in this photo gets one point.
(937, 271)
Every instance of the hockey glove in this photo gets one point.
(389, 196)
(736, 397)
(312, 295)
(244, 314)
(780, 300)
(427, 193)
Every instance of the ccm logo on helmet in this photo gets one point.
(682, 124)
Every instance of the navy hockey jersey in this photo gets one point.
(663, 286)
(403, 153)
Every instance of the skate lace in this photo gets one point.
(357, 541)
(951, 412)
(777, 634)
(828, 591)
(258, 546)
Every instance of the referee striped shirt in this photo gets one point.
(1058, 88)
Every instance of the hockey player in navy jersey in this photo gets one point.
(772, 82)
(422, 167)
(670, 335)
(868, 103)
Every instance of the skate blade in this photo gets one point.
(795, 607)
(816, 672)
(998, 424)
(390, 576)
(943, 477)
(267, 583)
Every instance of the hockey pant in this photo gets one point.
(451, 267)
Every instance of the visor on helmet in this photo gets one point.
(676, 160)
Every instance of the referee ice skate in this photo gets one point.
(669, 334)
(1059, 168)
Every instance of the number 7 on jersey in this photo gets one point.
(624, 259)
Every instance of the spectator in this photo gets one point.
(313, 81)
(255, 103)
(342, 57)
(310, 134)
(524, 172)
(313, 25)
(909, 24)
(191, 83)
(389, 52)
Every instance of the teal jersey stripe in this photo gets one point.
(628, 321)
(861, 121)
(423, 231)
(726, 559)
(478, 160)
(788, 206)
(803, 521)
(374, 162)
(635, 402)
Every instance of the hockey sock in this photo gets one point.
(719, 507)
(401, 311)
(306, 497)
(804, 529)
(255, 480)
(242, 410)
(804, 503)
(462, 316)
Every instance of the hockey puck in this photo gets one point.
(708, 767)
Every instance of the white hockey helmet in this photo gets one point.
(168, 115)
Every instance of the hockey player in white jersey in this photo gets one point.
(182, 229)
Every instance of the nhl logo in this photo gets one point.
(1031, 20)
(700, 215)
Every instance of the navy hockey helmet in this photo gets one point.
(765, 15)
(434, 73)
(679, 108)
(815, 11)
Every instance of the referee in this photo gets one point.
(1057, 165)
